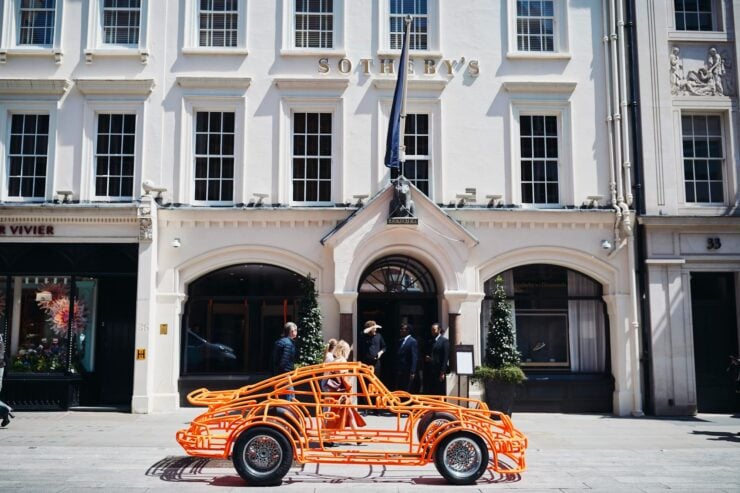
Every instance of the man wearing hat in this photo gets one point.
(373, 347)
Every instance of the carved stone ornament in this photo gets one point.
(145, 223)
(402, 206)
(714, 78)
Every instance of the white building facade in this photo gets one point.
(688, 76)
(172, 169)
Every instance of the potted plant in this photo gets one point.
(500, 374)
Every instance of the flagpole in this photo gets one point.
(405, 76)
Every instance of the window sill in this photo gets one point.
(413, 54)
(215, 51)
(538, 55)
(35, 52)
(117, 52)
(312, 52)
(703, 209)
(708, 36)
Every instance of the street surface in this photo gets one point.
(116, 452)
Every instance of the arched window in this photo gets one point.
(234, 315)
(397, 275)
(559, 316)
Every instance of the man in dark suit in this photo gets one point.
(408, 358)
(436, 360)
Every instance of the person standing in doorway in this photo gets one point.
(5, 410)
(373, 346)
(436, 362)
(283, 352)
(408, 358)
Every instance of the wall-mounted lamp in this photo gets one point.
(150, 188)
(64, 196)
(464, 198)
(359, 199)
(260, 198)
(593, 201)
(606, 244)
(494, 199)
(176, 243)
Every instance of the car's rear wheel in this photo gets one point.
(431, 420)
(262, 456)
(461, 457)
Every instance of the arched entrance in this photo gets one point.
(394, 290)
(231, 320)
(562, 332)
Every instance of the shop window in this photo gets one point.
(418, 152)
(558, 317)
(48, 322)
(234, 316)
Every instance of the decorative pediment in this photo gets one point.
(128, 87)
(35, 87)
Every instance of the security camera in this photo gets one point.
(606, 244)
(149, 187)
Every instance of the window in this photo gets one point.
(559, 317)
(312, 157)
(218, 23)
(314, 24)
(416, 140)
(399, 9)
(214, 156)
(121, 22)
(234, 315)
(27, 156)
(703, 158)
(538, 137)
(535, 21)
(115, 153)
(694, 15)
(36, 22)
(537, 29)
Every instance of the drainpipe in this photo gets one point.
(626, 165)
(610, 130)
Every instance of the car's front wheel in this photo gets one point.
(461, 457)
(262, 456)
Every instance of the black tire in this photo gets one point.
(286, 414)
(430, 418)
(262, 456)
(461, 457)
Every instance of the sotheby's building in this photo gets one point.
(171, 169)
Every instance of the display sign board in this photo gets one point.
(464, 359)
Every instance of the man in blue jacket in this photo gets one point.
(283, 352)
(408, 358)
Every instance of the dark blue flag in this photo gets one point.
(392, 154)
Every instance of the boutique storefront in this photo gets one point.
(67, 312)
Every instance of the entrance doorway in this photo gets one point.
(715, 339)
(396, 290)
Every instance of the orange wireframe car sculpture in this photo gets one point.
(264, 432)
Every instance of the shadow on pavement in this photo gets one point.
(720, 436)
(185, 469)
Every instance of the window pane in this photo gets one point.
(312, 138)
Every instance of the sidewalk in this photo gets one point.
(112, 452)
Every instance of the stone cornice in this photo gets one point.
(128, 87)
(419, 85)
(34, 87)
(539, 87)
(207, 82)
(323, 83)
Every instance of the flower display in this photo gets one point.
(40, 358)
(57, 310)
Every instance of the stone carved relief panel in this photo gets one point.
(696, 71)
